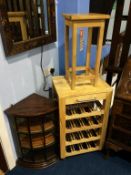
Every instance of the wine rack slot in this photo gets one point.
(84, 109)
(82, 148)
(83, 123)
(82, 136)
(83, 116)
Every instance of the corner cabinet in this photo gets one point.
(35, 126)
(83, 116)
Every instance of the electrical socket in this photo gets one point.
(49, 71)
(52, 71)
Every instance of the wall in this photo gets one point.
(21, 76)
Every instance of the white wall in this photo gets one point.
(20, 76)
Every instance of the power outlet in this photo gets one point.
(52, 71)
(47, 72)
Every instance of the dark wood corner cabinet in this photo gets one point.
(35, 121)
(25, 25)
(119, 136)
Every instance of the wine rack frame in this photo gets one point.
(85, 93)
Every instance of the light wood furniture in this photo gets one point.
(19, 17)
(76, 21)
(34, 119)
(83, 116)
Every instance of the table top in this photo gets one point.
(88, 16)
(63, 88)
(31, 106)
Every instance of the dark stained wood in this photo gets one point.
(42, 17)
(12, 48)
(29, 17)
(119, 133)
(15, 5)
(115, 38)
(124, 86)
(21, 4)
(52, 30)
(5, 28)
(3, 163)
(9, 5)
(126, 40)
(33, 105)
(35, 126)
(114, 61)
(36, 23)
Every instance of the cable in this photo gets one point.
(43, 73)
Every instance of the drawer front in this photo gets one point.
(122, 122)
(121, 138)
(86, 98)
(121, 107)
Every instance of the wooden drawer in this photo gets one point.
(85, 98)
(122, 122)
(121, 107)
(121, 138)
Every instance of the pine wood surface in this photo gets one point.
(1, 172)
(89, 16)
(82, 94)
(64, 90)
(76, 21)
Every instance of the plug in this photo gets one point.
(52, 70)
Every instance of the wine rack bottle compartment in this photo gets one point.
(83, 132)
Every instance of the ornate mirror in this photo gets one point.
(26, 24)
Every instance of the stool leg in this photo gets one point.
(67, 52)
(88, 51)
(74, 55)
(99, 50)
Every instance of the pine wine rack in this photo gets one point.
(83, 116)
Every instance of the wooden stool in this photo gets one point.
(76, 21)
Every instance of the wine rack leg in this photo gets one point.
(105, 118)
(62, 127)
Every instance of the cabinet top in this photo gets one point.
(32, 106)
(89, 16)
(63, 89)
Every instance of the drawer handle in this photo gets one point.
(80, 101)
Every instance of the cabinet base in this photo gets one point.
(36, 165)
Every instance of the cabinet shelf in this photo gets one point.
(126, 131)
(36, 127)
(37, 141)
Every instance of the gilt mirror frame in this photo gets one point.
(11, 47)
